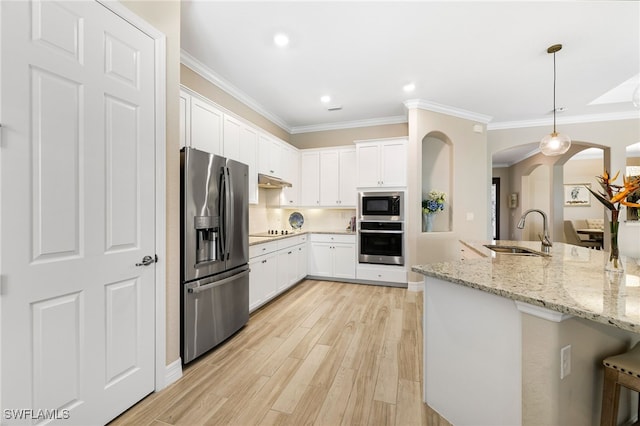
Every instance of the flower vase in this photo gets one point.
(427, 222)
(614, 263)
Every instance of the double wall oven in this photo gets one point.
(381, 228)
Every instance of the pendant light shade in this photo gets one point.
(555, 143)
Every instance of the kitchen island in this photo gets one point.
(495, 327)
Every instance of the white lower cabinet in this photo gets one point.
(332, 256)
(302, 261)
(382, 273)
(275, 267)
(262, 279)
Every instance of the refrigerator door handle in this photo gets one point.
(223, 219)
(209, 286)
(230, 222)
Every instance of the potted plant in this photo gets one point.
(433, 204)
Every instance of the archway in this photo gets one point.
(544, 190)
(437, 175)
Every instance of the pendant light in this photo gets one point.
(555, 143)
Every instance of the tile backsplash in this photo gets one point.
(263, 218)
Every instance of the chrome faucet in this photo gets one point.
(546, 241)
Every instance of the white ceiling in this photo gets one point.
(488, 58)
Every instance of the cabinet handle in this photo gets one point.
(264, 261)
(290, 252)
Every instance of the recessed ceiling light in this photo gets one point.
(410, 87)
(325, 99)
(281, 40)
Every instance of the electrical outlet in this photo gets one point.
(565, 361)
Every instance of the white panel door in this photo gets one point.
(77, 211)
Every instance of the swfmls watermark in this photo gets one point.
(35, 414)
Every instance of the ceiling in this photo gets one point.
(487, 59)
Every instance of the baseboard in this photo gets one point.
(356, 281)
(415, 285)
(173, 372)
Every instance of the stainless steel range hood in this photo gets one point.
(266, 181)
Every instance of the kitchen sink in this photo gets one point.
(522, 251)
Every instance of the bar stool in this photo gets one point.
(619, 370)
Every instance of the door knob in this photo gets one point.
(148, 260)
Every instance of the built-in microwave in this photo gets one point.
(381, 206)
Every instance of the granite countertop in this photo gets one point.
(253, 239)
(572, 280)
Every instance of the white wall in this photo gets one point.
(535, 195)
(469, 191)
(165, 16)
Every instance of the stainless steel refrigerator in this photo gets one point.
(214, 250)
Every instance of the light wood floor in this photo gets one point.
(324, 353)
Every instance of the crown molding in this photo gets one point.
(207, 73)
(399, 119)
(448, 110)
(575, 119)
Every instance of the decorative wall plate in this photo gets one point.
(296, 220)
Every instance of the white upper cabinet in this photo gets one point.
(201, 124)
(328, 177)
(247, 154)
(269, 155)
(347, 194)
(206, 126)
(310, 178)
(291, 173)
(231, 137)
(368, 170)
(381, 163)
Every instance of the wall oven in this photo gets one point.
(381, 242)
(376, 206)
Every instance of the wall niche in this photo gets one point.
(437, 175)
